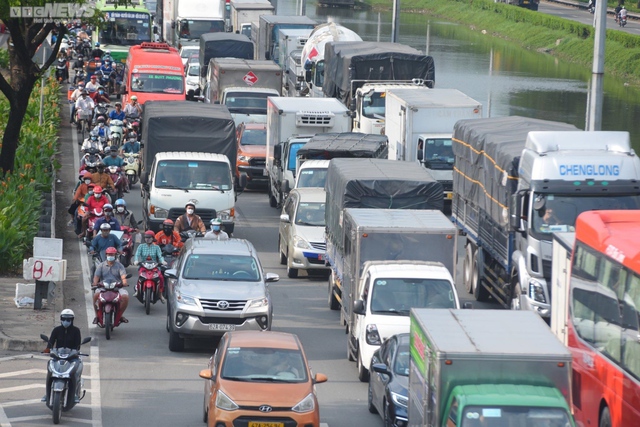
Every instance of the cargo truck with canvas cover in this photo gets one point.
(517, 180)
(359, 74)
(486, 368)
(392, 260)
(290, 124)
(188, 154)
(222, 45)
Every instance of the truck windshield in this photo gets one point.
(399, 295)
(157, 83)
(125, 28)
(373, 105)
(247, 102)
(193, 174)
(312, 178)
(507, 416)
(559, 212)
(254, 137)
(438, 153)
(293, 152)
(190, 29)
(319, 74)
(236, 268)
(310, 214)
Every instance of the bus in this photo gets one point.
(595, 313)
(123, 27)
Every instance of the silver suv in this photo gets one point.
(217, 286)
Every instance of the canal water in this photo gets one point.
(506, 79)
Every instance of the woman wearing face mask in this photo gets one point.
(81, 191)
(189, 221)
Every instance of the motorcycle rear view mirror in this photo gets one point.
(44, 337)
(86, 340)
(129, 276)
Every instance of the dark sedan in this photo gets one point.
(389, 382)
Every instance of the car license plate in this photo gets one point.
(448, 196)
(264, 424)
(221, 327)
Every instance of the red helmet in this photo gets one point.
(149, 233)
(167, 222)
(111, 250)
(97, 189)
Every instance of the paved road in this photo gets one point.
(581, 15)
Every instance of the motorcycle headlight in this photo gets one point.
(110, 285)
(307, 404)
(399, 399)
(185, 299)
(224, 402)
(299, 242)
(260, 302)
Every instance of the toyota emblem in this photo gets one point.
(265, 408)
(223, 305)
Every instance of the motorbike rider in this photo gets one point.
(124, 217)
(111, 270)
(107, 58)
(97, 52)
(78, 63)
(108, 218)
(105, 240)
(132, 145)
(133, 109)
(61, 64)
(114, 160)
(189, 221)
(101, 129)
(150, 250)
(80, 193)
(84, 104)
(623, 14)
(116, 114)
(96, 201)
(102, 178)
(101, 96)
(168, 236)
(216, 232)
(92, 86)
(67, 335)
(73, 99)
(92, 141)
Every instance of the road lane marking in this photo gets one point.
(22, 403)
(44, 417)
(23, 356)
(24, 372)
(4, 420)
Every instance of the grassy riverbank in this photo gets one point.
(565, 39)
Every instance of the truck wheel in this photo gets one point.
(605, 418)
(363, 373)
(516, 292)
(334, 304)
(467, 267)
(480, 293)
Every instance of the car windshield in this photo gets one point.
(194, 70)
(312, 178)
(157, 83)
(190, 29)
(398, 296)
(559, 212)
(373, 105)
(235, 268)
(125, 28)
(192, 174)
(438, 153)
(401, 364)
(188, 51)
(310, 214)
(254, 137)
(243, 102)
(508, 416)
(257, 364)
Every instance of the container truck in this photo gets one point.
(243, 86)
(222, 45)
(266, 33)
(359, 74)
(312, 59)
(392, 260)
(188, 155)
(244, 12)
(516, 180)
(419, 123)
(290, 124)
(475, 368)
(290, 44)
(184, 21)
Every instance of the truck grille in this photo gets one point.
(447, 185)
(259, 162)
(314, 118)
(321, 246)
(212, 304)
(206, 214)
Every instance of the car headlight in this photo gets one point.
(224, 402)
(307, 404)
(260, 302)
(372, 336)
(399, 399)
(244, 158)
(185, 299)
(536, 291)
(224, 215)
(301, 243)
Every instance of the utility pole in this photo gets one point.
(395, 24)
(596, 93)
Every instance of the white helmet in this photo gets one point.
(67, 313)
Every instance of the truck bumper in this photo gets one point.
(254, 173)
(543, 309)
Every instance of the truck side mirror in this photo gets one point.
(307, 76)
(358, 307)
(352, 105)
(144, 178)
(420, 155)
(173, 24)
(515, 212)
(277, 152)
(155, 30)
(285, 218)
(284, 187)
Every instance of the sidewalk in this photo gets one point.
(20, 328)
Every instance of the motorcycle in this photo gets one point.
(116, 129)
(622, 21)
(64, 367)
(90, 160)
(108, 312)
(101, 110)
(148, 283)
(118, 181)
(132, 167)
(106, 81)
(93, 218)
(127, 245)
(62, 71)
(133, 124)
(79, 75)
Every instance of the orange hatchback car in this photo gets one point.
(260, 379)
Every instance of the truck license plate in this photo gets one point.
(264, 424)
(221, 327)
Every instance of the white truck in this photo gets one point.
(419, 124)
(312, 59)
(184, 21)
(242, 85)
(290, 124)
(290, 45)
(265, 33)
(397, 259)
(244, 12)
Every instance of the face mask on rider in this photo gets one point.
(215, 227)
(114, 154)
(120, 209)
(97, 195)
(111, 258)
(190, 211)
(66, 323)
